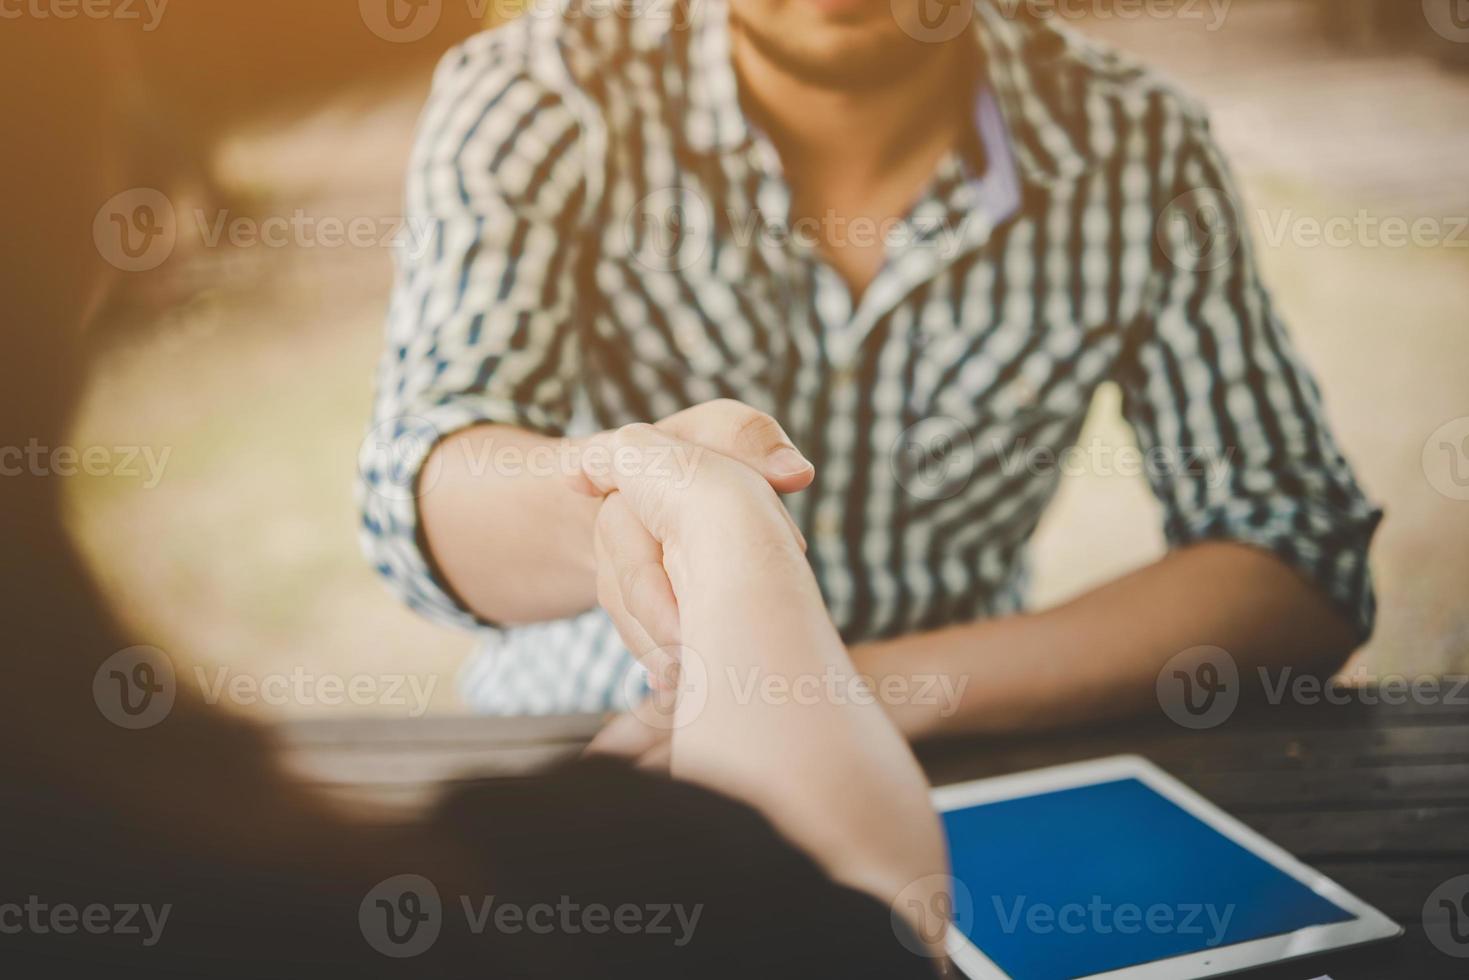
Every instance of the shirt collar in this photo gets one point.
(1023, 68)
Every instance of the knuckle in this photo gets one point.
(756, 430)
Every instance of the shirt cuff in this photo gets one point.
(392, 480)
(1325, 545)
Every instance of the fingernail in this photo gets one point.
(785, 461)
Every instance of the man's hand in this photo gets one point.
(736, 430)
(647, 515)
(515, 546)
(632, 584)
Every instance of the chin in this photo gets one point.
(829, 43)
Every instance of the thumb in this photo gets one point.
(734, 429)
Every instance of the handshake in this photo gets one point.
(664, 534)
(708, 564)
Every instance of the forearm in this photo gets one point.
(833, 774)
(505, 529)
(1099, 655)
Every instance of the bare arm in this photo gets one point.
(1099, 655)
(510, 537)
(834, 775)
(514, 541)
(1264, 531)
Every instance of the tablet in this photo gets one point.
(1113, 868)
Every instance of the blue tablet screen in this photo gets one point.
(1096, 878)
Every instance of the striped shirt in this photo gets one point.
(602, 236)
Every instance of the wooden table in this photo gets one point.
(1375, 796)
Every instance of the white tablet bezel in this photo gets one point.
(1368, 924)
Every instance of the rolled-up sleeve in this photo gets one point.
(1227, 415)
(482, 326)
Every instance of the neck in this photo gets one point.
(869, 130)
